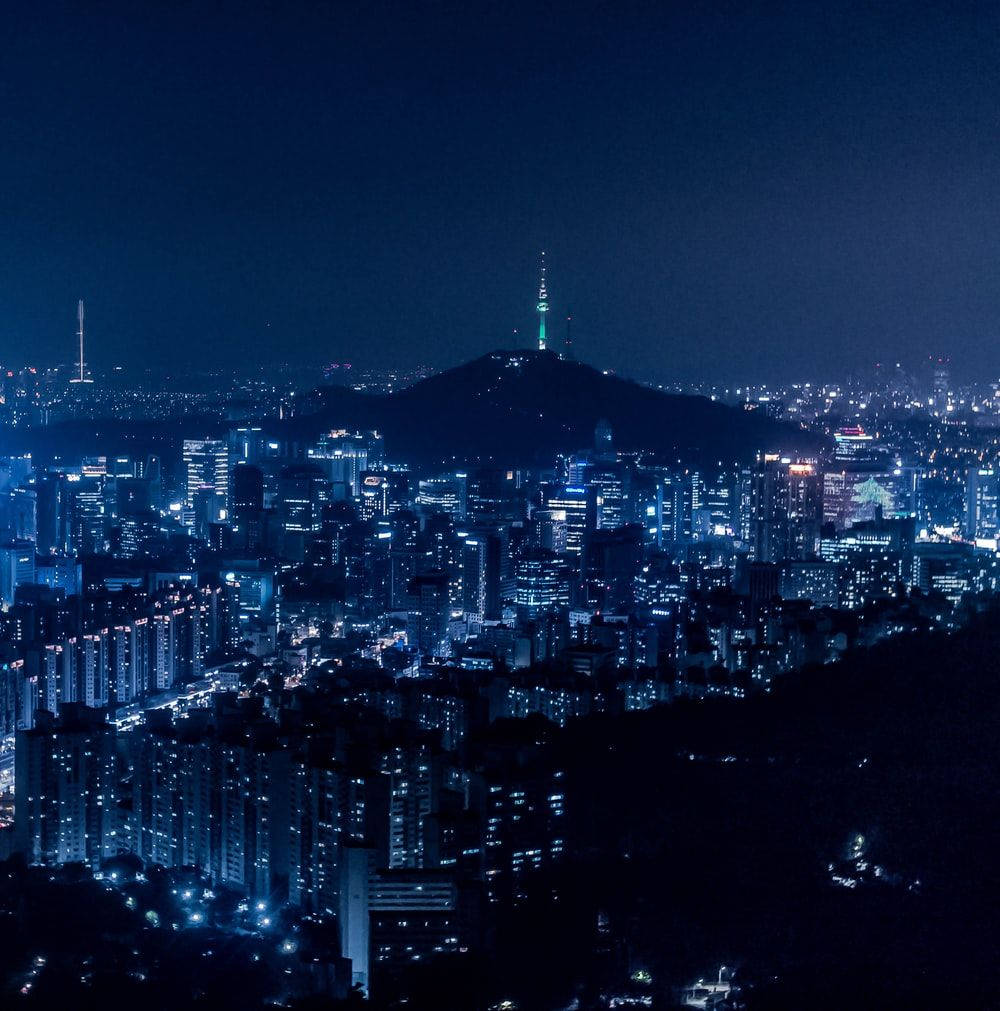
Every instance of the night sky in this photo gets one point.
(765, 193)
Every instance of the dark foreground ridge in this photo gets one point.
(832, 844)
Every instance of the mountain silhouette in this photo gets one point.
(523, 407)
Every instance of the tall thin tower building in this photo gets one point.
(82, 376)
(543, 307)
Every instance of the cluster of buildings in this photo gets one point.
(303, 799)
(325, 677)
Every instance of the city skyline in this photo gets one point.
(513, 520)
(919, 371)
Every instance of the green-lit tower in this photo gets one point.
(543, 307)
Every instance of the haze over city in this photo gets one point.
(768, 193)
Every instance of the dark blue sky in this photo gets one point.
(762, 191)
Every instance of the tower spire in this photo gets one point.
(79, 318)
(82, 374)
(543, 307)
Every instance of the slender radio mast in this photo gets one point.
(79, 317)
(82, 377)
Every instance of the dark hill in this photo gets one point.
(522, 407)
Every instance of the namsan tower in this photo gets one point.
(543, 307)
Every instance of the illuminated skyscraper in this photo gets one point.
(571, 501)
(427, 624)
(543, 307)
(482, 566)
(541, 580)
(787, 509)
(982, 502)
(17, 566)
(88, 510)
(302, 490)
(206, 462)
(65, 774)
(344, 455)
(854, 445)
(374, 500)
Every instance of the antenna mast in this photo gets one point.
(82, 376)
(79, 316)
